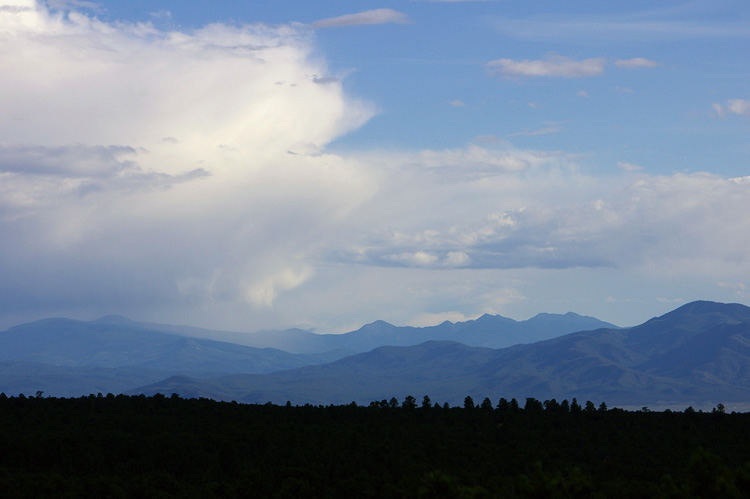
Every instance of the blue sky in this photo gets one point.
(324, 164)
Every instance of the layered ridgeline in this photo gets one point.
(493, 331)
(696, 355)
(64, 357)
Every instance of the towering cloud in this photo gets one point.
(140, 165)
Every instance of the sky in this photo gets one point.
(266, 165)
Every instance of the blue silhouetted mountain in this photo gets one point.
(149, 352)
(694, 355)
(679, 326)
(492, 331)
(93, 347)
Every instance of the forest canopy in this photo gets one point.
(137, 445)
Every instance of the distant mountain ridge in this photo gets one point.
(697, 353)
(493, 331)
(71, 343)
(54, 355)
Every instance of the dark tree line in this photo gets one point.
(137, 446)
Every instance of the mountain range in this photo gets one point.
(64, 357)
(494, 331)
(695, 355)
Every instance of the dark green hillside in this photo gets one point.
(119, 446)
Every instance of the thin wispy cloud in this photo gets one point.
(538, 131)
(71, 4)
(739, 107)
(552, 66)
(375, 16)
(738, 287)
(636, 62)
(324, 80)
(630, 167)
(635, 28)
(16, 9)
(662, 299)
(162, 14)
(562, 67)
